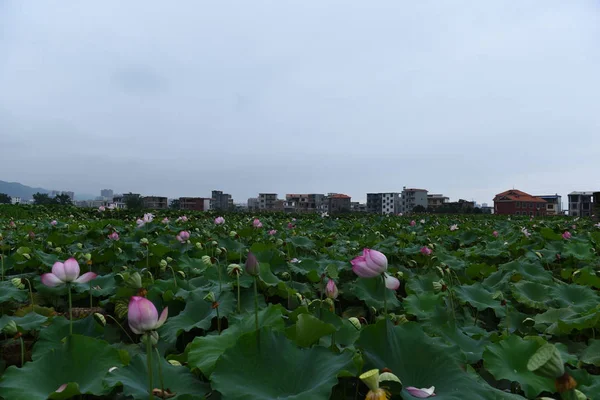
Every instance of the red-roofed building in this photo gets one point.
(338, 202)
(516, 202)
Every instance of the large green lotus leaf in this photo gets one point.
(586, 383)
(81, 360)
(548, 321)
(204, 351)
(421, 361)
(471, 348)
(198, 313)
(530, 271)
(31, 321)
(479, 297)
(423, 305)
(420, 284)
(579, 298)
(10, 293)
(508, 360)
(494, 249)
(103, 285)
(549, 234)
(585, 320)
(301, 242)
(52, 336)
(265, 365)
(591, 355)
(371, 291)
(178, 380)
(579, 250)
(588, 277)
(308, 330)
(532, 294)
(455, 263)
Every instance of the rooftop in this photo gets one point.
(582, 193)
(339, 196)
(517, 195)
(415, 190)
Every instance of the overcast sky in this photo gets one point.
(465, 98)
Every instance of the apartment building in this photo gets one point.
(304, 202)
(107, 194)
(412, 198)
(221, 201)
(155, 202)
(517, 202)
(356, 206)
(253, 204)
(581, 204)
(195, 203)
(436, 200)
(383, 203)
(338, 202)
(266, 201)
(553, 204)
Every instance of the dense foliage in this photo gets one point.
(478, 297)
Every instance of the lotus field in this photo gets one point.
(116, 304)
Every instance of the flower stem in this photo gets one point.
(121, 326)
(256, 302)
(218, 321)
(70, 309)
(220, 280)
(384, 297)
(174, 277)
(22, 351)
(239, 306)
(30, 293)
(149, 361)
(160, 374)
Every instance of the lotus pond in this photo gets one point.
(119, 305)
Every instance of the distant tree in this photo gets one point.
(42, 199)
(175, 204)
(133, 201)
(419, 209)
(63, 200)
(5, 199)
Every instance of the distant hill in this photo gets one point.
(15, 189)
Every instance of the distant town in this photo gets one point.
(409, 200)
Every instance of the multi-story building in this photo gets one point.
(194, 203)
(304, 202)
(15, 200)
(581, 204)
(553, 204)
(516, 202)
(436, 200)
(155, 202)
(107, 194)
(266, 201)
(374, 202)
(221, 201)
(253, 204)
(70, 194)
(337, 203)
(412, 198)
(383, 203)
(356, 206)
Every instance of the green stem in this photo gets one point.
(121, 326)
(30, 293)
(22, 351)
(239, 306)
(256, 302)
(91, 297)
(70, 309)
(385, 313)
(220, 280)
(149, 361)
(174, 277)
(160, 374)
(2, 263)
(218, 321)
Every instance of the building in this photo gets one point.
(266, 201)
(436, 200)
(195, 203)
(412, 198)
(155, 202)
(356, 206)
(461, 206)
(553, 204)
(70, 194)
(304, 202)
(221, 201)
(107, 194)
(374, 202)
(253, 204)
(516, 202)
(383, 203)
(338, 203)
(15, 200)
(581, 204)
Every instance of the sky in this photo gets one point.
(465, 98)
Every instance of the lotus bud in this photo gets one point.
(152, 336)
(278, 242)
(234, 270)
(58, 250)
(355, 323)
(199, 245)
(285, 275)
(214, 243)
(232, 234)
(144, 242)
(119, 250)
(163, 264)
(206, 260)
(87, 256)
(27, 256)
(169, 259)
(135, 280)
(218, 251)
(440, 270)
(210, 297)
(80, 246)
(18, 283)
(174, 363)
(49, 244)
(547, 362)
(101, 319)
(182, 274)
(11, 328)
(388, 376)
(251, 264)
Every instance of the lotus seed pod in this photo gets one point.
(278, 242)
(330, 303)
(299, 297)
(579, 395)
(223, 249)
(18, 283)
(437, 286)
(232, 234)
(174, 363)
(101, 319)
(27, 256)
(135, 280)
(49, 244)
(371, 379)
(401, 319)
(163, 264)
(144, 241)
(119, 250)
(80, 246)
(440, 270)
(388, 376)
(169, 259)
(234, 270)
(218, 251)
(210, 297)
(355, 322)
(199, 245)
(206, 260)
(11, 328)
(537, 253)
(546, 362)
(285, 276)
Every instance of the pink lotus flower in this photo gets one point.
(66, 272)
(412, 223)
(567, 235)
(183, 218)
(371, 264)
(421, 393)
(146, 219)
(114, 236)
(426, 251)
(12, 224)
(53, 222)
(219, 220)
(165, 220)
(331, 290)
(495, 233)
(256, 223)
(290, 225)
(294, 260)
(31, 235)
(140, 222)
(112, 206)
(574, 227)
(101, 208)
(525, 232)
(183, 236)
(272, 232)
(143, 317)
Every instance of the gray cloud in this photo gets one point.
(463, 98)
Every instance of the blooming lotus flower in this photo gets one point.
(371, 264)
(495, 233)
(294, 260)
(114, 236)
(422, 221)
(567, 235)
(331, 290)
(421, 393)
(219, 220)
(66, 272)
(12, 224)
(412, 223)
(140, 222)
(183, 236)
(597, 225)
(272, 232)
(454, 227)
(525, 232)
(426, 251)
(256, 223)
(101, 208)
(290, 225)
(324, 214)
(142, 315)
(165, 220)
(53, 222)
(183, 218)
(112, 206)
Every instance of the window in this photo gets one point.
(518, 213)
(550, 206)
(530, 205)
(518, 204)
(531, 213)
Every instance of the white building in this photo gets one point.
(15, 200)
(411, 198)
